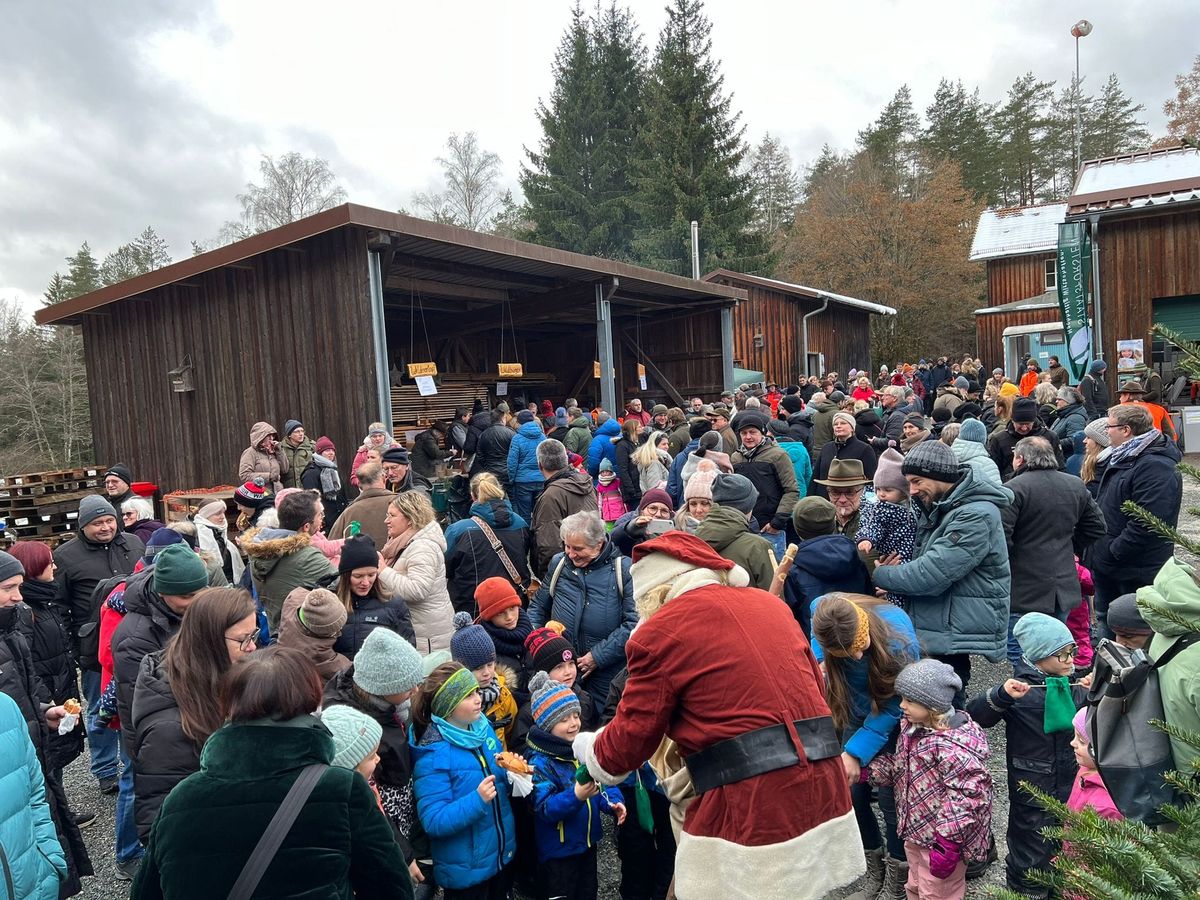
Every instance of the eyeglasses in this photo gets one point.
(1067, 654)
(248, 643)
(1108, 427)
(128, 514)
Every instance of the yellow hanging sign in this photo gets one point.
(641, 371)
(416, 370)
(596, 369)
(510, 370)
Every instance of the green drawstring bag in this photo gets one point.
(1060, 705)
(642, 799)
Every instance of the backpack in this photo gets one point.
(89, 631)
(619, 570)
(1131, 754)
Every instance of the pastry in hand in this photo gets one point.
(514, 762)
(72, 706)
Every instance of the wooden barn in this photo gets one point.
(780, 324)
(1019, 247)
(1143, 210)
(319, 320)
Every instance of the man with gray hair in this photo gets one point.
(891, 401)
(567, 491)
(589, 589)
(1141, 468)
(1052, 518)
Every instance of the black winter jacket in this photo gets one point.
(45, 623)
(335, 504)
(851, 449)
(1051, 519)
(480, 422)
(147, 626)
(823, 564)
(164, 754)
(800, 428)
(491, 452)
(426, 453)
(1000, 446)
(1128, 551)
(83, 564)
(370, 613)
(627, 471)
(1095, 395)
(471, 559)
(868, 426)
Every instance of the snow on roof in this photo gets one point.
(1039, 301)
(1133, 180)
(788, 287)
(1017, 231)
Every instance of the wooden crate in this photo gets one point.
(179, 505)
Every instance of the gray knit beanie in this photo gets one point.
(94, 507)
(1123, 615)
(736, 491)
(387, 664)
(9, 566)
(933, 460)
(1097, 430)
(929, 682)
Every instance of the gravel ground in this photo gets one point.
(81, 787)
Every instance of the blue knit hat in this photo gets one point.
(550, 701)
(1097, 366)
(973, 430)
(387, 664)
(159, 539)
(1041, 636)
(471, 645)
(355, 735)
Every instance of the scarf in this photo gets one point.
(395, 546)
(490, 693)
(1134, 446)
(510, 641)
(767, 441)
(907, 444)
(331, 481)
(474, 736)
(544, 742)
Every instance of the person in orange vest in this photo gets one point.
(1030, 379)
(1132, 392)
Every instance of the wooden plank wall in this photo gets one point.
(989, 331)
(687, 350)
(1156, 255)
(288, 337)
(1016, 278)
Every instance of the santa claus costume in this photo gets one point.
(725, 671)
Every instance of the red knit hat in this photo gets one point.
(324, 443)
(547, 409)
(493, 596)
(686, 548)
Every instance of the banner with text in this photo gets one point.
(1074, 278)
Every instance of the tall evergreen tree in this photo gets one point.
(143, 254)
(1059, 146)
(776, 187)
(690, 157)
(828, 164)
(56, 291)
(960, 129)
(1024, 126)
(891, 142)
(83, 274)
(1116, 126)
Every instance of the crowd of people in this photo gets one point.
(743, 629)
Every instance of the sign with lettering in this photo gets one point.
(422, 369)
(510, 370)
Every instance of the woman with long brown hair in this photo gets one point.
(863, 643)
(176, 697)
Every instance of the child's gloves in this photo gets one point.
(944, 858)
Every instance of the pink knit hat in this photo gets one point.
(699, 486)
(279, 497)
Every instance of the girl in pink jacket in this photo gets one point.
(942, 786)
(1089, 790)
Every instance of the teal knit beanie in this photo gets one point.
(179, 571)
(355, 735)
(387, 664)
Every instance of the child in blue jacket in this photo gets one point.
(461, 791)
(567, 813)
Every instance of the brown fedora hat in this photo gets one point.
(1131, 387)
(844, 473)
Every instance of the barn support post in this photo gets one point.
(604, 342)
(727, 347)
(383, 385)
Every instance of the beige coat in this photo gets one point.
(255, 461)
(369, 510)
(418, 577)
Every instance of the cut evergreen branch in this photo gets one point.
(1153, 523)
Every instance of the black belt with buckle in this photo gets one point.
(763, 750)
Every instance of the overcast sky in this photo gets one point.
(120, 115)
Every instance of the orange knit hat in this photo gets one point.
(493, 596)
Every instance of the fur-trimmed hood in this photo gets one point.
(273, 543)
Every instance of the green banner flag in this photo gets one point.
(1074, 279)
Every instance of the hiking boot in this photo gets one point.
(83, 820)
(977, 869)
(895, 877)
(108, 785)
(873, 880)
(126, 870)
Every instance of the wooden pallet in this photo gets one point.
(180, 505)
(54, 477)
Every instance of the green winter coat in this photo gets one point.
(280, 562)
(298, 460)
(727, 531)
(958, 582)
(340, 846)
(579, 436)
(1179, 680)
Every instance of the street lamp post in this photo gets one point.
(1080, 29)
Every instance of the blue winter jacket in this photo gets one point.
(486, 512)
(958, 583)
(871, 731)
(564, 825)
(823, 564)
(603, 448)
(675, 475)
(801, 463)
(522, 454)
(27, 835)
(598, 620)
(471, 840)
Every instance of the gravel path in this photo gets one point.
(81, 787)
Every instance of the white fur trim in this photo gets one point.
(582, 747)
(654, 569)
(810, 865)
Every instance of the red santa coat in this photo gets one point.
(714, 663)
